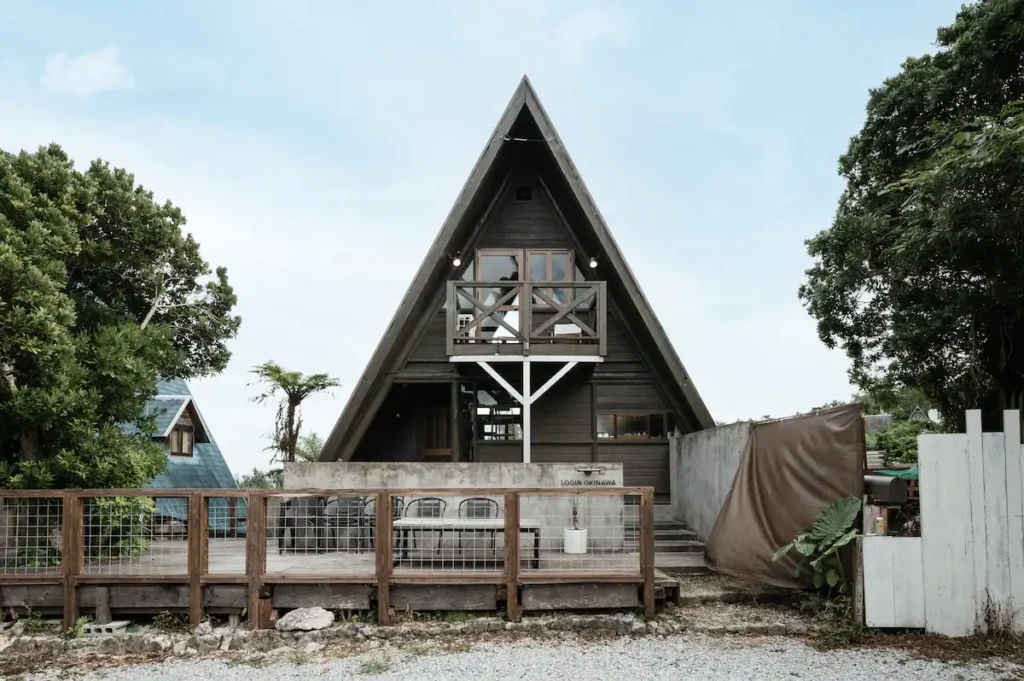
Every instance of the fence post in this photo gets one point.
(512, 543)
(647, 548)
(195, 557)
(255, 553)
(383, 543)
(71, 553)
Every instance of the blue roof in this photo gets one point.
(205, 469)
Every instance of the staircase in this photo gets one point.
(676, 548)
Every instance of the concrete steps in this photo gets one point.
(676, 547)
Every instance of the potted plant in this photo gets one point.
(575, 538)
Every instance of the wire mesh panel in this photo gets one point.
(30, 536)
(579, 533)
(313, 535)
(448, 533)
(135, 535)
(226, 522)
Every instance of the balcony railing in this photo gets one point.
(527, 318)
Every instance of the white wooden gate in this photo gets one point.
(970, 570)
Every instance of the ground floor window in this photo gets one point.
(624, 426)
(498, 416)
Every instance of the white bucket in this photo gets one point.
(575, 540)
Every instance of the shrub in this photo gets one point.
(899, 440)
(118, 526)
(818, 547)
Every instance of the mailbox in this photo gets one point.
(885, 489)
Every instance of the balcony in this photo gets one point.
(488, 318)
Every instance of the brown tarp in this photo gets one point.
(789, 472)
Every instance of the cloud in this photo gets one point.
(86, 74)
(580, 32)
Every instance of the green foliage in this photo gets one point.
(309, 447)
(574, 503)
(35, 624)
(899, 440)
(77, 630)
(818, 547)
(171, 622)
(918, 278)
(899, 401)
(258, 479)
(294, 388)
(118, 526)
(100, 292)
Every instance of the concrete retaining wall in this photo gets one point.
(702, 466)
(604, 517)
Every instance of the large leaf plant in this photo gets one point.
(818, 547)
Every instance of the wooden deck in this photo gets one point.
(227, 557)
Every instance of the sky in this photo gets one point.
(316, 147)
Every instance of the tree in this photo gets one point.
(918, 278)
(294, 389)
(100, 292)
(258, 479)
(899, 401)
(899, 439)
(309, 447)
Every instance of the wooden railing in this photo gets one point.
(117, 550)
(526, 317)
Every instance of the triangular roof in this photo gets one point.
(524, 123)
(206, 467)
(918, 414)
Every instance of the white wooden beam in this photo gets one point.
(526, 358)
(502, 382)
(551, 381)
(527, 401)
(1015, 515)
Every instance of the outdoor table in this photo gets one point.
(442, 525)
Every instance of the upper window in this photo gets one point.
(634, 426)
(182, 440)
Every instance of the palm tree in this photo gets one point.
(309, 447)
(293, 388)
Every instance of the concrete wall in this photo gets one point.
(702, 466)
(604, 517)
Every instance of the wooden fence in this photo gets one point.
(78, 549)
(965, 574)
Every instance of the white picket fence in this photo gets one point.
(966, 571)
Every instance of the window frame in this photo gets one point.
(524, 255)
(615, 437)
(508, 403)
(175, 438)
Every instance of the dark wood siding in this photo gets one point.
(431, 345)
(629, 398)
(563, 414)
(643, 463)
(623, 355)
(512, 452)
(563, 419)
(524, 224)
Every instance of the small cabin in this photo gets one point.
(524, 336)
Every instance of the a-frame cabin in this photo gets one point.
(524, 335)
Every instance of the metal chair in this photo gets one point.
(343, 514)
(428, 507)
(370, 515)
(479, 507)
(304, 518)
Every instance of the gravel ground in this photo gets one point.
(675, 658)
